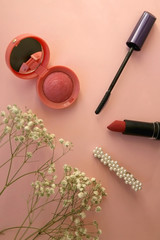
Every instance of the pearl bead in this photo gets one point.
(121, 172)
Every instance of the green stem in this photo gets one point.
(29, 226)
(16, 151)
(4, 143)
(25, 174)
(53, 221)
(2, 136)
(4, 188)
(12, 228)
(25, 156)
(12, 156)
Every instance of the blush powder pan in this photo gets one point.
(27, 56)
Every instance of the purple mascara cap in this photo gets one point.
(141, 31)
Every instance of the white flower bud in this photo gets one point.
(98, 209)
(61, 140)
(81, 195)
(3, 113)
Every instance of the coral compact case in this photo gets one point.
(27, 56)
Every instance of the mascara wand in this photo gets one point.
(135, 42)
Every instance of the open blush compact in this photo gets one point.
(27, 56)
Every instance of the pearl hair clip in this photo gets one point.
(121, 172)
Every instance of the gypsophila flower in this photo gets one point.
(3, 113)
(88, 208)
(15, 109)
(44, 188)
(69, 198)
(21, 138)
(67, 143)
(51, 168)
(99, 231)
(61, 140)
(95, 193)
(29, 124)
(67, 168)
(94, 200)
(29, 154)
(27, 128)
(77, 221)
(98, 209)
(5, 120)
(83, 215)
(93, 179)
(81, 195)
(7, 129)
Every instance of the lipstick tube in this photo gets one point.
(137, 128)
(142, 129)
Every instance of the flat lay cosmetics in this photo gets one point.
(135, 42)
(121, 172)
(27, 56)
(129, 127)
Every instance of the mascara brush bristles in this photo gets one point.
(121, 172)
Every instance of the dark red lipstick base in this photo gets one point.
(129, 127)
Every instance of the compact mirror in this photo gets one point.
(26, 56)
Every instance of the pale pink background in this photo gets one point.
(89, 37)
